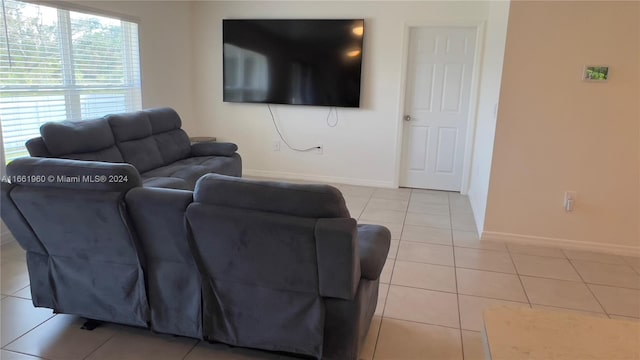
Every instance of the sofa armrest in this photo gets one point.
(337, 253)
(373, 245)
(213, 149)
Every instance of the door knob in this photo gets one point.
(407, 118)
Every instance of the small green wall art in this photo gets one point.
(596, 73)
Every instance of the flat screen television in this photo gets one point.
(296, 62)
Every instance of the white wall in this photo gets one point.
(364, 147)
(491, 75)
(165, 51)
(556, 132)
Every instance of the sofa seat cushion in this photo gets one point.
(217, 164)
(166, 182)
(189, 173)
(191, 169)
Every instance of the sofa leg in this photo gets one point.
(90, 324)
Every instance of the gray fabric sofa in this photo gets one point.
(267, 265)
(151, 140)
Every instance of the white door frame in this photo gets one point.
(473, 98)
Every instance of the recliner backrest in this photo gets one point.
(82, 253)
(256, 244)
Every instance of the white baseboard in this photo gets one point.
(317, 178)
(561, 243)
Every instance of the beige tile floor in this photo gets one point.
(437, 280)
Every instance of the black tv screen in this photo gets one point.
(297, 62)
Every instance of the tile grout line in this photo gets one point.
(455, 275)
(589, 288)
(191, 350)
(426, 323)
(115, 333)
(375, 347)
(30, 330)
(524, 290)
(26, 354)
(451, 293)
(17, 291)
(499, 272)
(624, 258)
(364, 207)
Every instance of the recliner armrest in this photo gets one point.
(213, 149)
(338, 262)
(373, 245)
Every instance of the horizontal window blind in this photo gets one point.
(57, 65)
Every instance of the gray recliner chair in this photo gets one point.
(284, 267)
(82, 253)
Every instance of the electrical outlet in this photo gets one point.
(569, 200)
(275, 146)
(319, 150)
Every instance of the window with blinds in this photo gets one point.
(57, 64)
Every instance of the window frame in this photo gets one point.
(132, 72)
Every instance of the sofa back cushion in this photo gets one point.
(150, 139)
(132, 132)
(80, 140)
(173, 142)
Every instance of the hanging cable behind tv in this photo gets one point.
(273, 118)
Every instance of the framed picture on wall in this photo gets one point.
(596, 73)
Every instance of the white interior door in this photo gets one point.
(439, 72)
